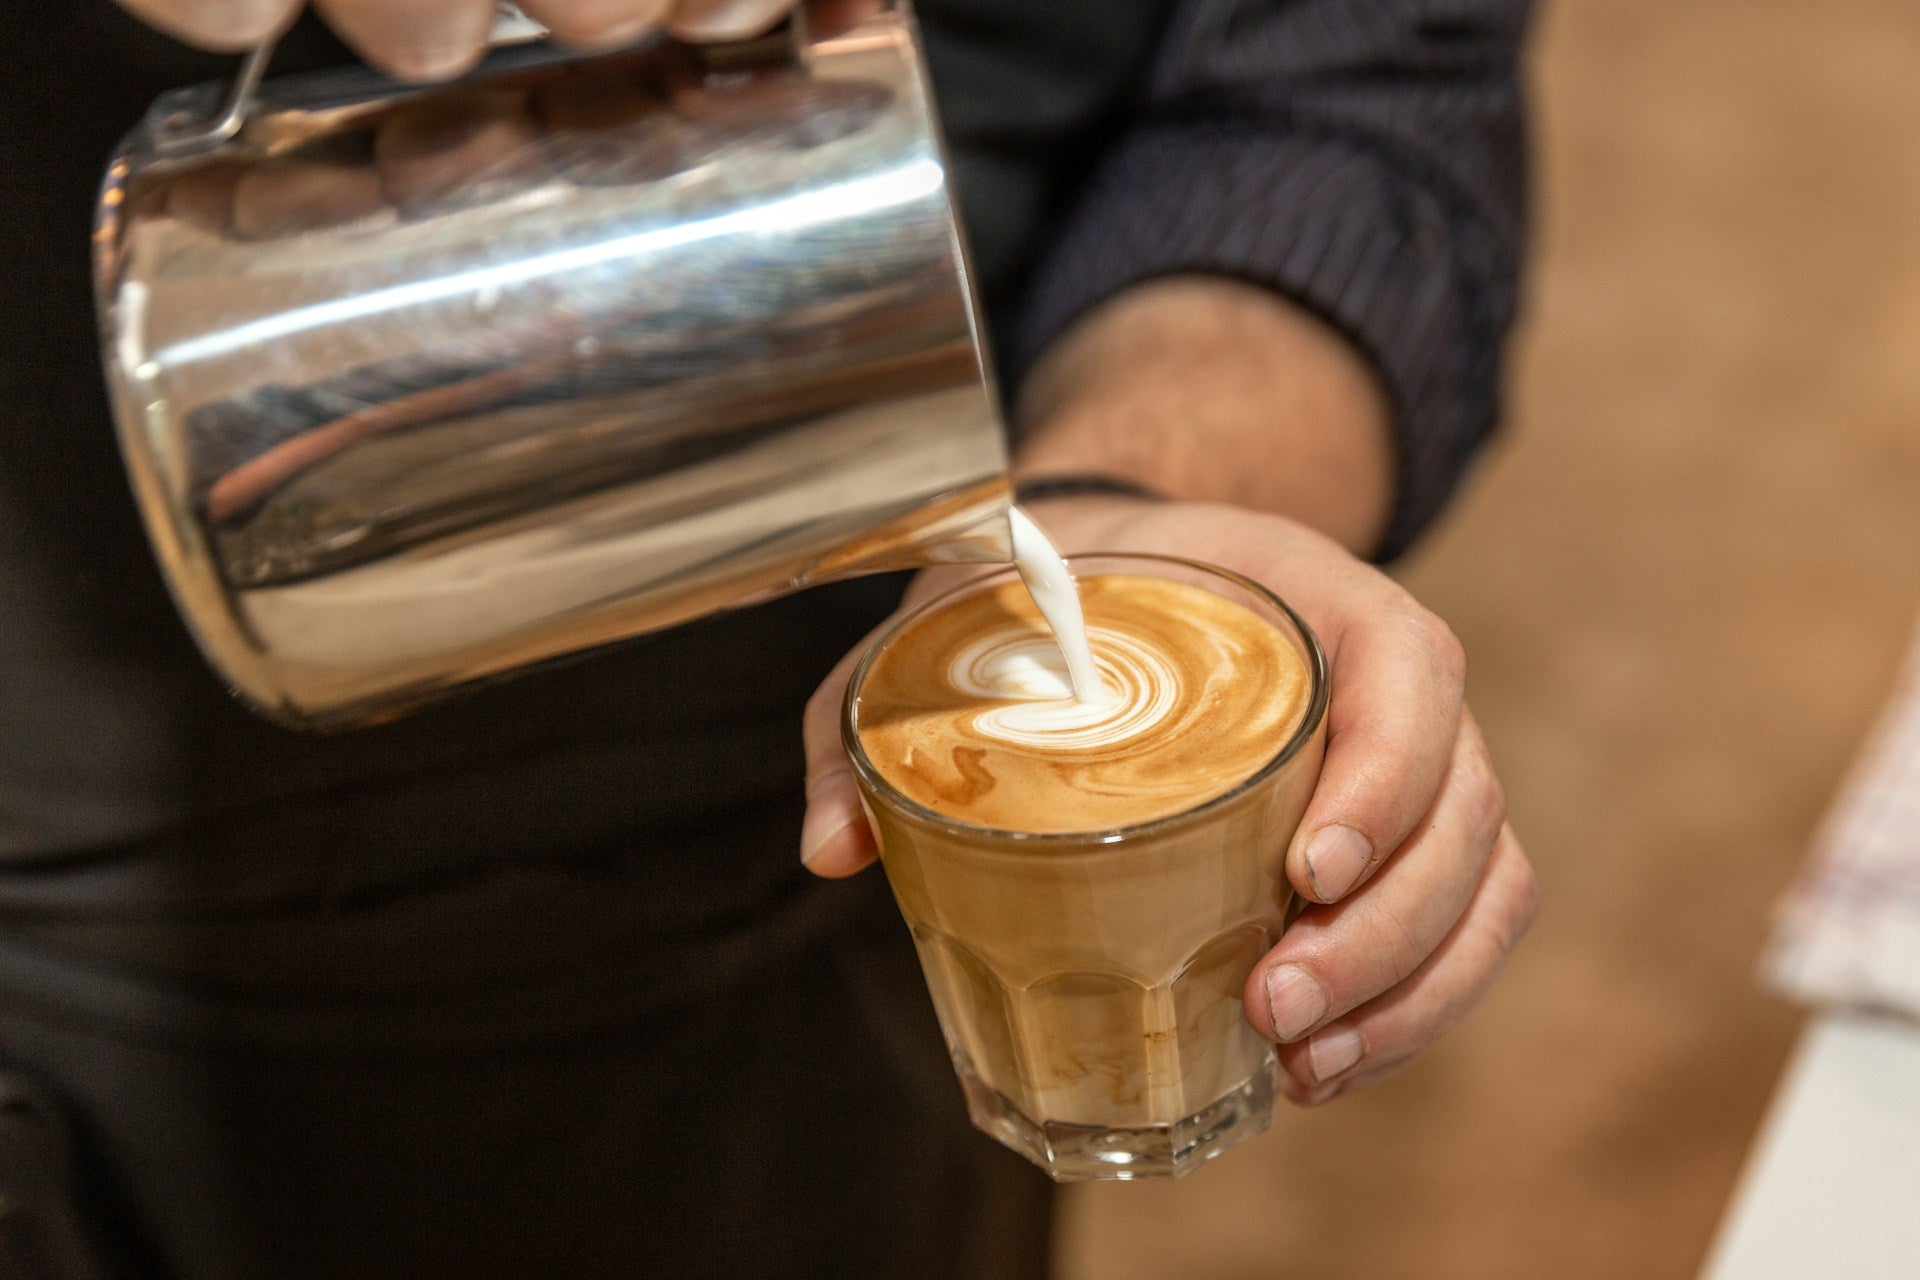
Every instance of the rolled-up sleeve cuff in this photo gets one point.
(1419, 287)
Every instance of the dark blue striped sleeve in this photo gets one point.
(1363, 157)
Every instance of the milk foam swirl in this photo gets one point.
(968, 710)
(1137, 688)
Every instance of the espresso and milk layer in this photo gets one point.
(971, 713)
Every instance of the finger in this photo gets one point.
(1396, 698)
(1303, 1096)
(725, 19)
(1336, 958)
(223, 25)
(414, 39)
(597, 23)
(1436, 997)
(835, 840)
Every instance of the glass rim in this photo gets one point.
(869, 774)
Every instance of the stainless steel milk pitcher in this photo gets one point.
(421, 385)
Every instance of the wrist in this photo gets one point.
(1210, 390)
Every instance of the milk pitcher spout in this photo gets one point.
(418, 386)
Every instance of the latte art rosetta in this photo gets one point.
(1137, 687)
(970, 712)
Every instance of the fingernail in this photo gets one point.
(1334, 1051)
(817, 834)
(436, 60)
(1336, 859)
(1295, 1002)
(1317, 1096)
(728, 19)
(827, 814)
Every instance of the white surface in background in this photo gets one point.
(1849, 930)
(1832, 1187)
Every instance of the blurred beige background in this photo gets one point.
(1685, 579)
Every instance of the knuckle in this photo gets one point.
(1525, 900)
(1515, 896)
(1478, 787)
(1376, 796)
(1388, 763)
(1430, 637)
(1397, 950)
(1514, 900)
(1458, 1004)
(1443, 647)
(1488, 812)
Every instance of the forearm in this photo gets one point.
(1206, 389)
(1366, 161)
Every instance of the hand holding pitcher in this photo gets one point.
(438, 39)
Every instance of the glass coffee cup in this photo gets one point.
(1089, 983)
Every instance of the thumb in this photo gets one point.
(835, 840)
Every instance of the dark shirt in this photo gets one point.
(1361, 158)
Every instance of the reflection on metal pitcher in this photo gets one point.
(421, 385)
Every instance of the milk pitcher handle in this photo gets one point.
(184, 138)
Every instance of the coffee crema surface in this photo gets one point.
(970, 713)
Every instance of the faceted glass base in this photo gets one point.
(1079, 1153)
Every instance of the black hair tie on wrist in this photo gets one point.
(1079, 485)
